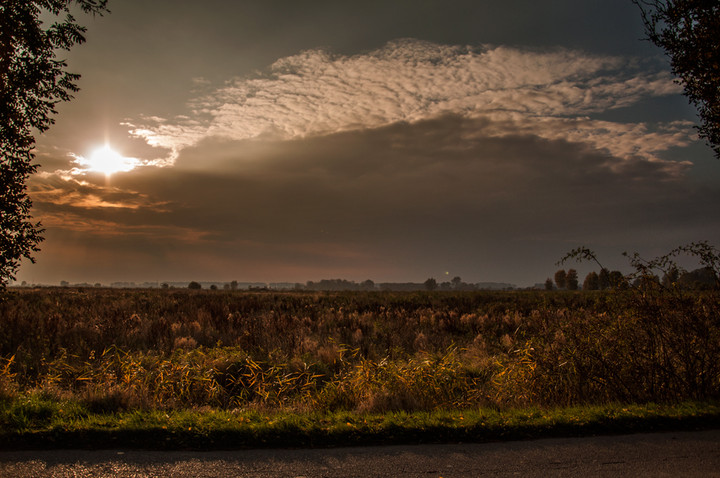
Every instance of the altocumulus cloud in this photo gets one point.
(550, 95)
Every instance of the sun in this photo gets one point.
(107, 161)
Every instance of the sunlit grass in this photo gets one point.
(347, 367)
(34, 420)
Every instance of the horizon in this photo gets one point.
(245, 285)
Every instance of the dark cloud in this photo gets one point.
(401, 202)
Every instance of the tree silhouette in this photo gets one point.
(671, 277)
(367, 285)
(688, 31)
(32, 82)
(561, 279)
(618, 281)
(604, 279)
(591, 281)
(571, 279)
(430, 284)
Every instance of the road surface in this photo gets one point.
(691, 454)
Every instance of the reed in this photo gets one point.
(116, 350)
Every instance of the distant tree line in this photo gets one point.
(603, 280)
(339, 285)
(703, 278)
(456, 284)
(700, 279)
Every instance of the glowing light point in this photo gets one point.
(107, 161)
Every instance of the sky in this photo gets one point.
(391, 140)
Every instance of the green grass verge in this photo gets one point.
(35, 422)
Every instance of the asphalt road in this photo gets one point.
(663, 454)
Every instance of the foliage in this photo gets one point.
(591, 282)
(688, 31)
(422, 383)
(660, 342)
(571, 279)
(359, 351)
(37, 421)
(605, 280)
(32, 82)
(430, 284)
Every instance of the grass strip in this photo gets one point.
(32, 422)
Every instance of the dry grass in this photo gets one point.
(362, 351)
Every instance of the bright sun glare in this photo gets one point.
(108, 161)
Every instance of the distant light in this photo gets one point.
(107, 161)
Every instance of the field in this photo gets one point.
(69, 354)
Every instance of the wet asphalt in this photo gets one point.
(686, 454)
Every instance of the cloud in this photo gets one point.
(61, 190)
(345, 185)
(390, 203)
(394, 164)
(550, 94)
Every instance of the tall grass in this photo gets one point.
(364, 351)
